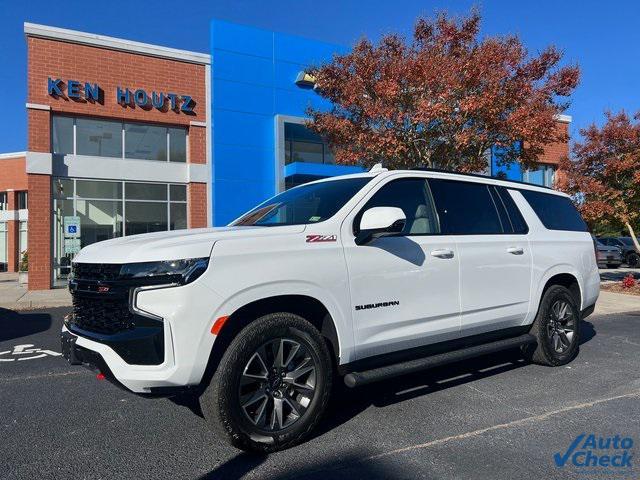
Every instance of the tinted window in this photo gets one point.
(412, 196)
(62, 135)
(465, 208)
(309, 203)
(102, 138)
(554, 211)
(145, 142)
(177, 145)
(516, 220)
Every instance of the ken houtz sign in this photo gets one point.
(91, 92)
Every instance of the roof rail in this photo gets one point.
(477, 175)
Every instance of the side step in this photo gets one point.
(357, 379)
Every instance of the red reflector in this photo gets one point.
(217, 325)
(100, 376)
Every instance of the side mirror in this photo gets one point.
(380, 222)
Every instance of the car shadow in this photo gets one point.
(21, 324)
(346, 403)
(357, 463)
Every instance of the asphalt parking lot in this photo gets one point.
(493, 417)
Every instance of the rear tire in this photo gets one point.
(258, 399)
(556, 328)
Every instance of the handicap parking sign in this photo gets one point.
(72, 226)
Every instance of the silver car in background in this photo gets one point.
(608, 256)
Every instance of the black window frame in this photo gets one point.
(355, 227)
(513, 212)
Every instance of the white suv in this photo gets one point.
(364, 277)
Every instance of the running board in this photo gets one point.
(357, 379)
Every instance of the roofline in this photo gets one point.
(112, 43)
(478, 175)
(12, 155)
(564, 118)
(513, 184)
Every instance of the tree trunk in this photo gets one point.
(633, 236)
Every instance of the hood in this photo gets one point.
(607, 248)
(172, 245)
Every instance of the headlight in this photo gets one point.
(173, 271)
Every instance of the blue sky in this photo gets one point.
(602, 37)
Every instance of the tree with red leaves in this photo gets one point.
(604, 175)
(442, 100)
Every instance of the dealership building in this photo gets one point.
(127, 138)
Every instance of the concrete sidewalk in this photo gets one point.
(16, 297)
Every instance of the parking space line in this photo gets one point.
(522, 421)
(46, 375)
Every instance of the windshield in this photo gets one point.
(626, 240)
(309, 203)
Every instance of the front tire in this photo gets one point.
(556, 328)
(272, 384)
(633, 260)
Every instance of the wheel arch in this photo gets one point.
(306, 306)
(567, 280)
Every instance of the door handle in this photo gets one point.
(442, 253)
(515, 250)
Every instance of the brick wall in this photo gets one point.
(39, 241)
(109, 69)
(554, 152)
(197, 200)
(198, 145)
(13, 174)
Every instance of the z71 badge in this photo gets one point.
(321, 238)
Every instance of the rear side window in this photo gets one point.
(554, 211)
(465, 208)
(516, 220)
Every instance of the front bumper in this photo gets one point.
(187, 314)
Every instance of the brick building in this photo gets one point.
(117, 145)
(127, 138)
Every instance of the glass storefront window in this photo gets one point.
(303, 145)
(543, 175)
(102, 138)
(145, 142)
(306, 152)
(178, 193)
(23, 200)
(22, 240)
(105, 138)
(62, 135)
(99, 220)
(177, 145)
(3, 247)
(108, 209)
(145, 217)
(178, 215)
(93, 189)
(145, 191)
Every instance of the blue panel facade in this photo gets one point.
(253, 80)
(252, 83)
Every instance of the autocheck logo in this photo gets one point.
(598, 454)
(368, 306)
